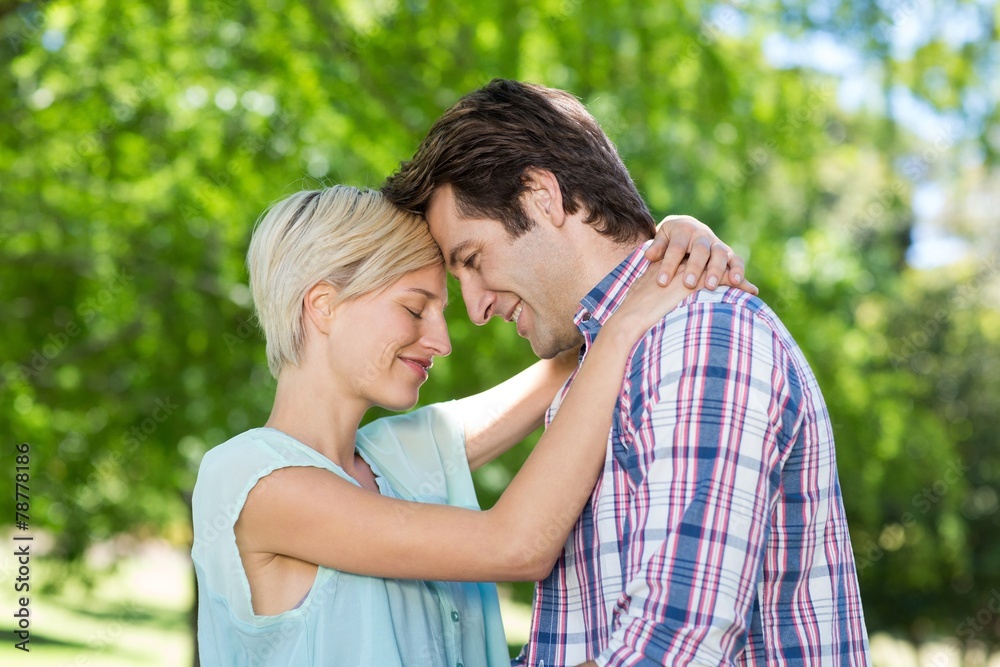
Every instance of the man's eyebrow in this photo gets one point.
(456, 251)
(430, 295)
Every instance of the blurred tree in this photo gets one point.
(141, 141)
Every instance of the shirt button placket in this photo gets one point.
(455, 617)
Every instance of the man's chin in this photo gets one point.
(544, 354)
(549, 349)
(541, 350)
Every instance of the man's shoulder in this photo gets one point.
(713, 327)
(720, 309)
(727, 298)
(722, 334)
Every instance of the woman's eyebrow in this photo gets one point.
(427, 293)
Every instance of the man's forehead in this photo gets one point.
(448, 227)
(442, 202)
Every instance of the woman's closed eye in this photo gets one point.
(416, 314)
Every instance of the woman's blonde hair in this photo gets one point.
(353, 239)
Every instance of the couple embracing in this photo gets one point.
(681, 508)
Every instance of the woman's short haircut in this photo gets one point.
(353, 239)
(485, 144)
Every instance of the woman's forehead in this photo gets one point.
(431, 281)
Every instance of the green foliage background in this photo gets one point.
(140, 141)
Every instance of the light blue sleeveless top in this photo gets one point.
(345, 619)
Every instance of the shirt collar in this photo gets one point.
(603, 300)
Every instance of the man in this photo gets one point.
(716, 533)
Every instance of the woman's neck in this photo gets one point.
(316, 414)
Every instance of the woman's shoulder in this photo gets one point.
(240, 449)
(229, 470)
(263, 446)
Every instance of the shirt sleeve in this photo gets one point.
(708, 451)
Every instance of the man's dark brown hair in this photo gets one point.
(484, 144)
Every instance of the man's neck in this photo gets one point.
(603, 260)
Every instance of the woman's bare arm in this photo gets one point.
(315, 516)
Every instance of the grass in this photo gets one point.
(136, 616)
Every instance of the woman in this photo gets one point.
(317, 543)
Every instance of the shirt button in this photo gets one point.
(454, 617)
(458, 664)
(586, 317)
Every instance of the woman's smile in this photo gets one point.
(419, 366)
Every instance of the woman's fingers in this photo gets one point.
(673, 237)
(701, 251)
(718, 262)
(737, 270)
(745, 285)
(708, 261)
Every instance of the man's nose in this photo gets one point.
(479, 302)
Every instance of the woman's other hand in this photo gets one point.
(645, 304)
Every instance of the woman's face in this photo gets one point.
(383, 344)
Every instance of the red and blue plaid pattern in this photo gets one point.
(716, 533)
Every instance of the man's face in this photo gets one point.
(522, 280)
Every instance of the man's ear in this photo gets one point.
(318, 305)
(543, 200)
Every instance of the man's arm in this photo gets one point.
(708, 473)
(500, 417)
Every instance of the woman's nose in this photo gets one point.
(437, 338)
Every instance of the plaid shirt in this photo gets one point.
(716, 533)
